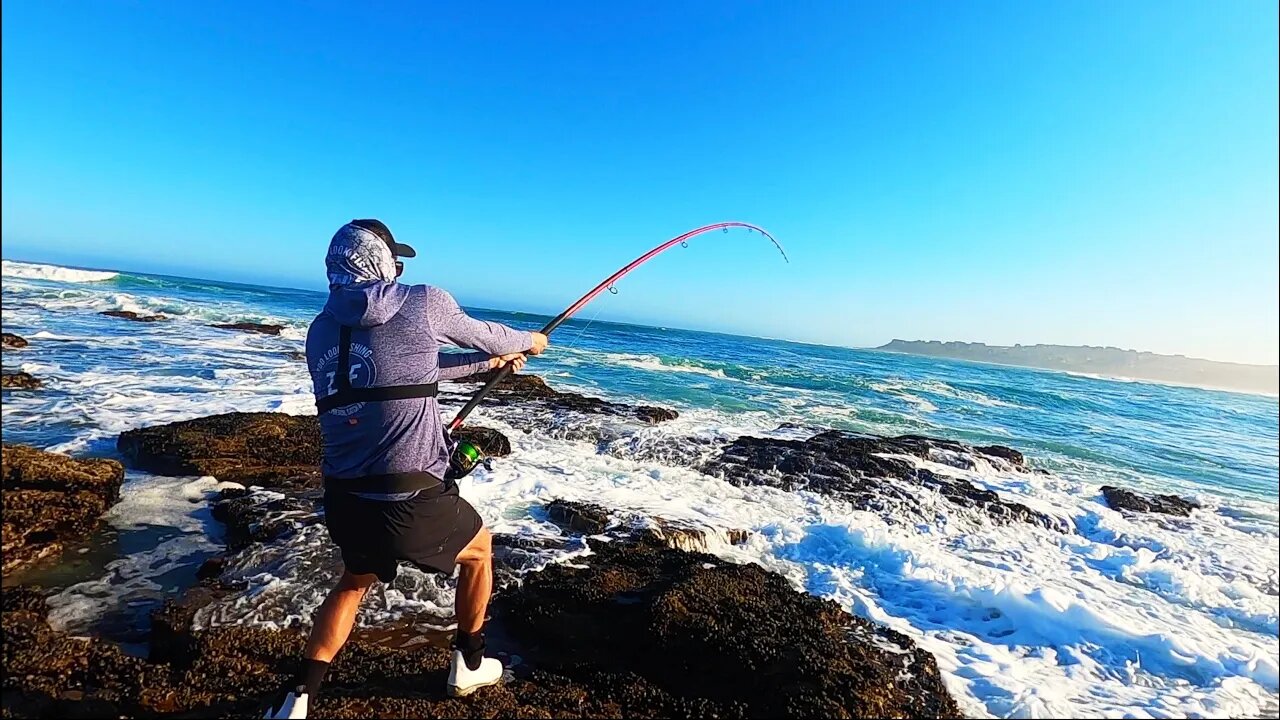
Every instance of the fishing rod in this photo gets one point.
(466, 455)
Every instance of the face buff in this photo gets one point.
(356, 256)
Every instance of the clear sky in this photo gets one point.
(1004, 172)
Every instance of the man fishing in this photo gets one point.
(374, 356)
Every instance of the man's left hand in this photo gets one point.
(515, 360)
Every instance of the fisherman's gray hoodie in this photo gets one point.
(398, 332)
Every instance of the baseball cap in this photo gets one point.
(377, 227)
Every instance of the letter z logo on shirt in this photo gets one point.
(363, 372)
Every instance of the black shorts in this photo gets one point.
(428, 530)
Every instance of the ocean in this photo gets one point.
(1125, 615)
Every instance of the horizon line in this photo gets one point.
(875, 348)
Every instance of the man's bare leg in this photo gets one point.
(336, 615)
(470, 669)
(332, 627)
(475, 583)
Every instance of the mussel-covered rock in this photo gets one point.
(268, 449)
(50, 500)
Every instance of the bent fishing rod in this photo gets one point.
(470, 454)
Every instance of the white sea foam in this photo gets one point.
(88, 298)
(12, 268)
(654, 363)
(905, 388)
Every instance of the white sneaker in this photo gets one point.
(294, 706)
(463, 680)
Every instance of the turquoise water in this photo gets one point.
(1136, 615)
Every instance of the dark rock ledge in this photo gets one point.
(131, 315)
(51, 500)
(264, 328)
(859, 468)
(1121, 499)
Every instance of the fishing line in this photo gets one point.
(583, 331)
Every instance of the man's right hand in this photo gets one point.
(539, 343)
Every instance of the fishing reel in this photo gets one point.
(464, 458)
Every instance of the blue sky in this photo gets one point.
(1074, 172)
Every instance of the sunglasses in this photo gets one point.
(399, 268)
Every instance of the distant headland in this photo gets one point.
(1110, 361)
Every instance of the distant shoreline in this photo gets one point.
(1106, 363)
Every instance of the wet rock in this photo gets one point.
(530, 386)
(695, 635)
(211, 568)
(1122, 499)
(12, 341)
(296, 355)
(268, 449)
(1013, 456)
(491, 442)
(687, 636)
(264, 516)
(517, 388)
(171, 636)
(690, 537)
(860, 468)
(655, 415)
(50, 500)
(575, 517)
(588, 519)
(131, 315)
(516, 555)
(264, 328)
(19, 381)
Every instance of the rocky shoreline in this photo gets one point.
(643, 623)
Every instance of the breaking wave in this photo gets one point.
(35, 271)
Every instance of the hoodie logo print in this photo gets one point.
(363, 373)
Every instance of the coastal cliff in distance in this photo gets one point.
(1108, 361)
